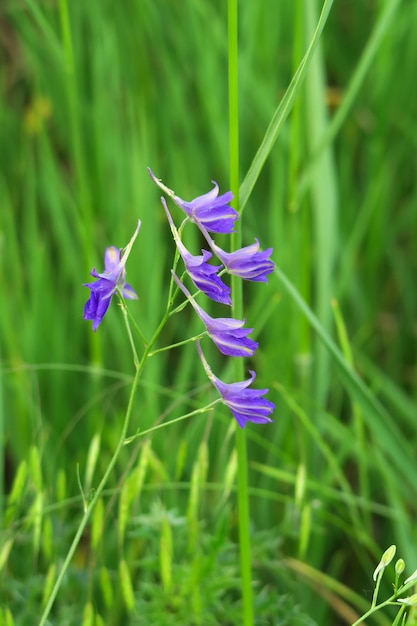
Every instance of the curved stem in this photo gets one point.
(98, 492)
(204, 409)
(374, 609)
(391, 601)
(91, 505)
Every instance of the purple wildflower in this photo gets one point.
(246, 405)
(109, 281)
(247, 263)
(203, 275)
(209, 211)
(226, 333)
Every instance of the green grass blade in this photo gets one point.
(281, 112)
(396, 448)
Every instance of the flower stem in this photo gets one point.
(376, 590)
(374, 609)
(92, 503)
(178, 344)
(122, 440)
(242, 487)
(186, 416)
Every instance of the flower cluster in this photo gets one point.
(212, 213)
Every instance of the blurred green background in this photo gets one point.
(91, 94)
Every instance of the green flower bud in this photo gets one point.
(411, 578)
(385, 560)
(410, 601)
(399, 567)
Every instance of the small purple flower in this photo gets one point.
(209, 211)
(203, 275)
(226, 333)
(247, 263)
(109, 281)
(246, 405)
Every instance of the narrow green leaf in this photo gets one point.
(281, 112)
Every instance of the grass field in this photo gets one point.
(91, 94)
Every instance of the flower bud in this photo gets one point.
(411, 578)
(410, 601)
(385, 560)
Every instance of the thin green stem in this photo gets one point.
(391, 601)
(178, 344)
(400, 614)
(374, 609)
(233, 98)
(198, 411)
(92, 504)
(129, 331)
(376, 590)
(237, 299)
(136, 327)
(122, 440)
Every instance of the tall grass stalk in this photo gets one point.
(237, 312)
(384, 22)
(282, 111)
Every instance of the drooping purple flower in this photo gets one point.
(246, 405)
(226, 333)
(203, 275)
(209, 211)
(247, 263)
(109, 281)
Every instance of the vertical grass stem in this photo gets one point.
(242, 486)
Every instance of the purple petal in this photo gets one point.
(216, 218)
(248, 263)
(246, 405)
(208, 211)
(129, 293)
(96, 307)
(111, 259)
(208, 199)
(102, 285)
(203, 275)
(211, 285)
(109, 281)
(243, 419)
(226, 333)
(232, 389)
(233, 344)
